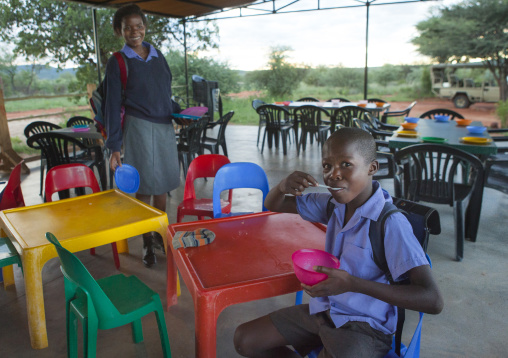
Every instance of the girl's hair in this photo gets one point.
(124, 11)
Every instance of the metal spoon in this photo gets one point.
(328, 187)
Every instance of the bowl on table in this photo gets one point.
(463, 122)
(476, 129)
(408, 125)
(305, 259)
(411, 119)
(380, 104)
(441, 118)
(363, 105)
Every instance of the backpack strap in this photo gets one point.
(124, 71)
(377, 238)
(330, 207)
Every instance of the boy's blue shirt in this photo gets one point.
(351, 245)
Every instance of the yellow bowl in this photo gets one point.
(363, 105)
(380, 104)
(409, 133)
(476, 140)
(407, 125)
(463, 122)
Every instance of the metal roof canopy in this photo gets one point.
(204, 10)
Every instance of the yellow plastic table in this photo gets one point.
(79, 223)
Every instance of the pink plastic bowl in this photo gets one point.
(305, 259)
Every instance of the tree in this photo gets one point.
(15, 79)
(282, 77)
(62, 32)
(469, 30)
(208, 68)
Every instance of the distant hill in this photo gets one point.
(47, 72)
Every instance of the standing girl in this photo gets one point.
(148, 137)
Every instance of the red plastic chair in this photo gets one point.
(203, 166)
(12, 196)
(74, 175)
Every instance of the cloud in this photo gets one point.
(328, 37)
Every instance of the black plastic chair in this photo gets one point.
(79, 120)
(340, 99)
(384, 156)
(278, 124)
(262, 121)
(496, 166)
(190, 142)
(307, 99)
(60, 149)
(211, 123)
(311, 122)
(382, 128)
(35, 128)
(403, 113)
(213, 144)
(441, 174)
(345, 115)
(376, 128)
(441, 111)
(496, 172)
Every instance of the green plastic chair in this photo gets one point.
(8, 254)
(106, 303)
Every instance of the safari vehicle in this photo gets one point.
(464, 83)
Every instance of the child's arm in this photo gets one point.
(295, 183)
(422, 294)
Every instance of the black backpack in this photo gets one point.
(424, 221)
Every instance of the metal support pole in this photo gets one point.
(186, 61)
(96, 44)
(366, 75)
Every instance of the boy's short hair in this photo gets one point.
(124, 11)
(364, 141)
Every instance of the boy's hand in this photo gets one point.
(338, 281)
(296, 183)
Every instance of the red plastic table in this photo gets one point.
(250, 259)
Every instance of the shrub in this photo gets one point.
(502, 112)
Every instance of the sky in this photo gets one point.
(328, 37)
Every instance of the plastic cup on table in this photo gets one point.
(127, 178)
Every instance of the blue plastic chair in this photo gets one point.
(238, 175)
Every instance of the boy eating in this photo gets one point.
(352, 313)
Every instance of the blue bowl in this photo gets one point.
(476, 129)
(411, 119)
(127, 178)
(441, 118)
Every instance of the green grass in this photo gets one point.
(19, 146)
(43, 103)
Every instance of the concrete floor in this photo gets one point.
(472, 324)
